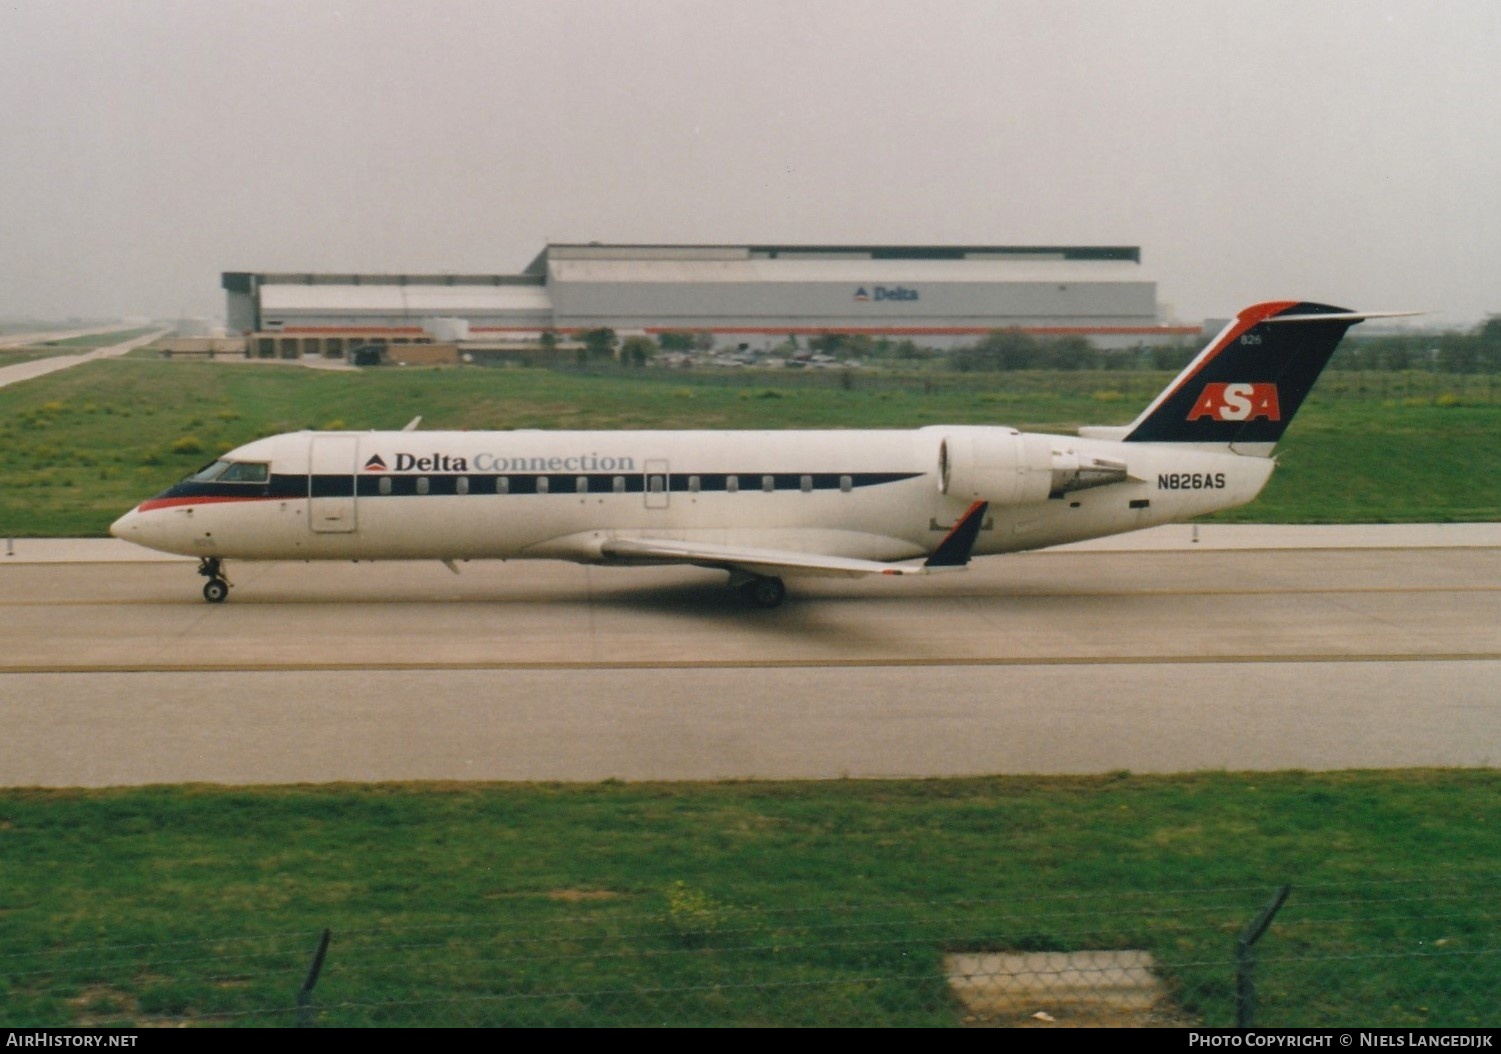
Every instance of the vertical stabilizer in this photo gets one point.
(1243, 389)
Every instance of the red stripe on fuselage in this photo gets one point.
(1248, 319)
(151, 504)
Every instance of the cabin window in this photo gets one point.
(656, 484)
(768, 483)
(542, 485)
(805, 484)
(384, 486)
(581, 484)
(422, 485)
(618, 484)
(732, 484)
(461, 485)
(693, 484)
(846, 484)
(502, 484)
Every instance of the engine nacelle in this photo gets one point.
(998, 465)
(1007, 467)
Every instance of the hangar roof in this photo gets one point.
(421, 300)
(598, 251)
(836, 269)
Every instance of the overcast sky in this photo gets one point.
(1348, 152)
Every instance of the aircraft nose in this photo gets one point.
(127, 526)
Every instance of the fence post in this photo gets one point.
(1245, 989)
(305, 997)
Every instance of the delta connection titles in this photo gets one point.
(1346, 1039)
(486, 462)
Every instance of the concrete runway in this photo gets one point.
(1248, 648)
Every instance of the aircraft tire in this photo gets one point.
(215, 590)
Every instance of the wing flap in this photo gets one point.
(951, 555)
(747, 558)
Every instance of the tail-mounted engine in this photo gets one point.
(1007, 467)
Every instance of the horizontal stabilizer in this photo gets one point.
(1341, 316)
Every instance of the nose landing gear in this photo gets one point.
(216, 589)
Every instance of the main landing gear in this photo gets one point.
(216, 589)
(763, 591)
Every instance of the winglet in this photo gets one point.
(956, 546)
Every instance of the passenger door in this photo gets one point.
(332, 467)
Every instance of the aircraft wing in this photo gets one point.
(952, 554)
(747, 558)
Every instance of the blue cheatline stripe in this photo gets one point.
(342, 485)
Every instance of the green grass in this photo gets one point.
(85, 444)
(15, 356)
(741, 903)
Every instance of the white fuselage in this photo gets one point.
(872, 495)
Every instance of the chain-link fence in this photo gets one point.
(1370, 955)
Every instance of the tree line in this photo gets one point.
(1477, 350)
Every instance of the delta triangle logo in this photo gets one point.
(861, 296)
(375, 464)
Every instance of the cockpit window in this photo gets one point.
(208, 472)
(233, 472)
(246, 472)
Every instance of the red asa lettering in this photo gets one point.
(1240, 401)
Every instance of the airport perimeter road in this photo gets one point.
(25, 371)
(1172, 656)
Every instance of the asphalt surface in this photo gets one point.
(1238, 648)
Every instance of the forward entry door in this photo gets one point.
(331, 483)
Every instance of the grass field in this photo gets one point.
(743, 903)
(86, 444)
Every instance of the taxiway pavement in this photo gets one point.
(1175, 650)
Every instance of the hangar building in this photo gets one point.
(752, 296)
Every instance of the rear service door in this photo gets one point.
(331, 472)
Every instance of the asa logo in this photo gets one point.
(1241, 401)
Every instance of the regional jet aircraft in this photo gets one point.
(760, 505)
